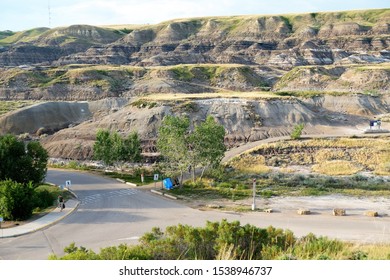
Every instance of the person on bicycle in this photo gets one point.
(61, 202)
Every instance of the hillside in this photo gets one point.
(257, 75)
(283, 41)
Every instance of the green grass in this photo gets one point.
(23, 36)
(8, 106)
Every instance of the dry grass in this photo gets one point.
(336, 167)
(342, 156)
(250, 164)
(373, 251)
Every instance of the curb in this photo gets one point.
(170, 196)
(164, 194)
(45, 225)
(127, 183)
(157, 192)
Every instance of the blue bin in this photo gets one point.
(168, 183)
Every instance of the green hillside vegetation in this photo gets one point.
(9, 106)
(294, 22)
(23, 36)
(331, 75)
(80, 34)
(180, 29)
(5, 34)
(114, 78)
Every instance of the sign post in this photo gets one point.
(68, 184)
(1, 220)
(155, 178)
(254, 195)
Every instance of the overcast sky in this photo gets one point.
(19, 15)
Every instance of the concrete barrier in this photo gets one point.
(131, 184)
(156, 192)
(372, 214)
(303, 212)
(339, 212)
(170, 196)
(120, 180)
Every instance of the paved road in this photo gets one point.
(111, 213)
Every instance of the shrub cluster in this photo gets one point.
(220, 240)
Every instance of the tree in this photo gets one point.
(111, 147)
(172, 143)
(37, 162)
(132, 148)
(102, 147)
(297, 131)
(22, 163)
(208, 144)
(181, 148)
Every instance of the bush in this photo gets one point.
(297, 131)
(16, 200)
(43, 198)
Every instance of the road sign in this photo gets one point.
(155, 177)
(68, 183)
(1, 219)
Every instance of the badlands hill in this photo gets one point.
(257, 75)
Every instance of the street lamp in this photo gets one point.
(254, 195)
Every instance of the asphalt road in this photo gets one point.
(111, 213)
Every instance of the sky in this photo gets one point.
(18, 15)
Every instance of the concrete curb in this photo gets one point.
(120, 180)
(46, 221)
(131, 184)
(164, 194)
(156, 192)
(170, 196)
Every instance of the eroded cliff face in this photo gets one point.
(244, 120)
(284, 41)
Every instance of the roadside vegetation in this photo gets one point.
(229, 241)
(22, 171)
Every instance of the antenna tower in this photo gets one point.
(49, 10)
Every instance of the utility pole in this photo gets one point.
(254, 195)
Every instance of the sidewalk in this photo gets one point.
(47, 220)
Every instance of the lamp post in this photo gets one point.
(254, 195)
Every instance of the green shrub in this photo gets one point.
(358, 255)
(16, 200)
(297, 131)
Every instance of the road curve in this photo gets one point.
(111, 213)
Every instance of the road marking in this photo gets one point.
(117, 193)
